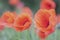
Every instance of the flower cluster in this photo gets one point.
(45, 18)
(18, 22)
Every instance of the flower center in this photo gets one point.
(45, 20)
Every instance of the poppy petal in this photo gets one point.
(45, 19)
(8, 17)
(47, 4)
(22, 22)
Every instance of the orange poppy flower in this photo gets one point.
(45, 19)
(22, 22)
(8, 18)
(47, 4)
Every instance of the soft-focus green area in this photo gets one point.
(10, 34)
(29, 34)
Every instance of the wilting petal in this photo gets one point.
(47, 4)
(8, 18)
(45, 19)
(22, 22)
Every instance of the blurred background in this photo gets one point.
(10, 34)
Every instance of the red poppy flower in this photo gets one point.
(45, 19)
(47, 4)
(13, 2)
(22, 22)
(8, 18)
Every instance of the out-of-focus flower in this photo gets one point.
(20, 5)
(8, 18)
(27, 10)
(45, 21)
(22, 22)
(47, 4)
(13, 2)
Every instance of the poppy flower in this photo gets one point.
(47, 4)
(45, 19)
(22, 22)
(13, 2)
(8, 18)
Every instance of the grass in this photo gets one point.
(10, 34)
